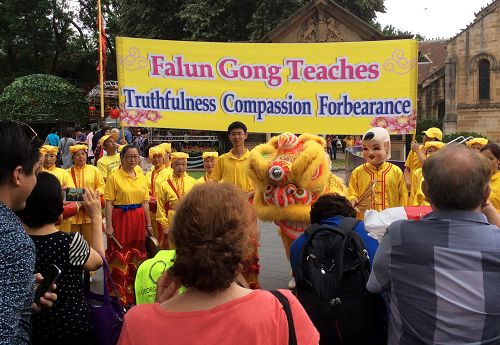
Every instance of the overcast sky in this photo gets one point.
(431, 18)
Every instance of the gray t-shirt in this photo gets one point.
(442, 276)
(17, 264)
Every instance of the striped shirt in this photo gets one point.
(442, 275)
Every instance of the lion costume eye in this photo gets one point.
(276, 173)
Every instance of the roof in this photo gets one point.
(436, 52)
(480, 15)
(365, 30)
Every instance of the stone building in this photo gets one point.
(464, 89)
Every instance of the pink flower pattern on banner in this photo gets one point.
(396, 124)
(137, 117)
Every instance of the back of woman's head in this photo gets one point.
(211, 232)
(45, 203)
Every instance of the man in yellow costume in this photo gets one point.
(106, 164)
(417, 156)
(209, 160)
(171, 191)
(167, 147)
(417, 196)
(156, 177)
(289, 174)
(390, 188)
(87, 176)
(49, 165)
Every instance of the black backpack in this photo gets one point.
(331, 279)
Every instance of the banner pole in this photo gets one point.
(101, 67)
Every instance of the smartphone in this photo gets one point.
(74, 194)
(49, 279)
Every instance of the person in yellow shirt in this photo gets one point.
(171, 191)
(155, 178)
(492, 152)
(127, 220)
(390, 188)
(209, 159)
(106, 164)
(417, 156)
(87, 176)
(49, 165)
(231, 167)
(167, 147)
(417, 196)
(477, 143)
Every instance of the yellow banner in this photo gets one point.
(334, 88)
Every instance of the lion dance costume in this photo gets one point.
(289, 174)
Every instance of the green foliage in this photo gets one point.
(43, 97)
(364, 9)
(449, 137)
(424, 124)
(390, 32)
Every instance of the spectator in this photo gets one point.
(80, 136)
(18, 169)
(441, 272)
(52, 139)
(64, 144)
(128, 137)
(68, 321)
(330, 209)
(100, 133)
(141, 141)
(209, 251)
(90, 154)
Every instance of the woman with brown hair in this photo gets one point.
(127, 218)
(211, 239)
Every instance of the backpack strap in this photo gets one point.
(292, 337)
(348, 223)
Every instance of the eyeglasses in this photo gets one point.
(132, 157)
(31, 132)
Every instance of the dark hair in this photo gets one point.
(105, 128)
(236, 125)
(70, 132)
(19, 148)
(331, 205)
(53, 130)
(494, 149)
(94, 128)
(102, 124)
(146, 149)
(126, 148)
(456, 178)
(144, 130)
(211, 239)
(45, 203)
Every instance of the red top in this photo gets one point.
(257, 318)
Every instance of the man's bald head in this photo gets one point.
(456, 178)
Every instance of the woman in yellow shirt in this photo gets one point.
(209, 161)
(171, 191)
(87, 176)
(492, 152)
(127, 219)
(155, 178)
(477, 143)
(49, 165)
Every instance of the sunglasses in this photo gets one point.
(27, 128)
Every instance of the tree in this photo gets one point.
(364, 9)
(43, 97)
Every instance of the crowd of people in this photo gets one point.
(439, 274)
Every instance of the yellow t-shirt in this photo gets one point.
(413, 163)
(87, 177)
(156, 178)
(233, 170)
(62, 175)
(167, 198)
(106, 164)
(417, 196)
(205, 178)
(123, 189)
(495, 190)
(336, 185)
(390, 190)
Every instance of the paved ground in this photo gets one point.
(275, 271)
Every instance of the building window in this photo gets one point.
(440, 109)
(484, 79)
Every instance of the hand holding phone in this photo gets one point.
(49, 279)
